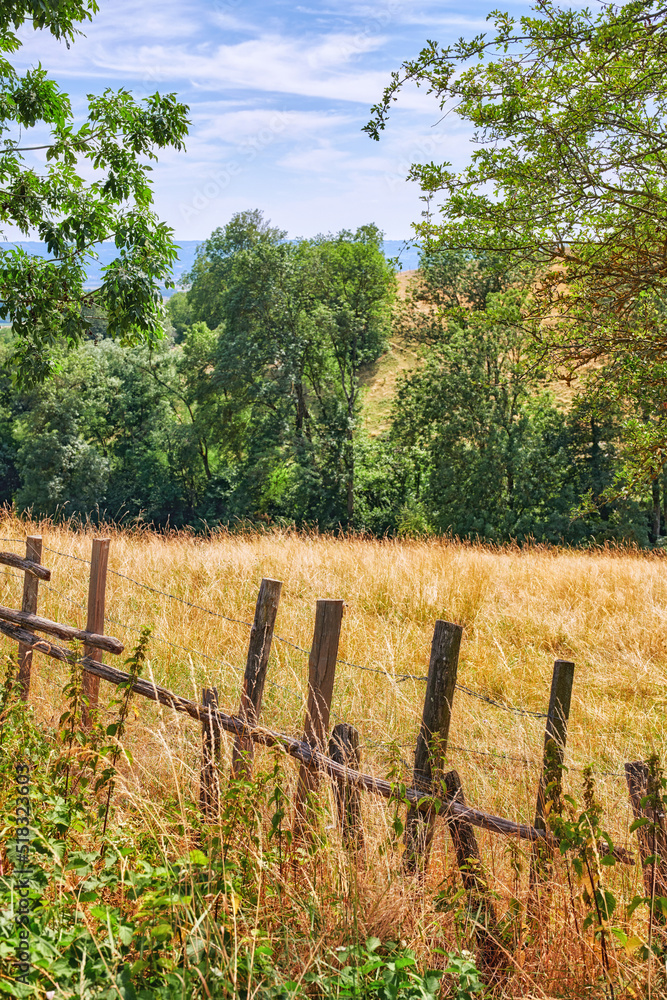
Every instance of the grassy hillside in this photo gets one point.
(380, 378)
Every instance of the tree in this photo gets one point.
(568, 189)
(271, 356)
(356, 294)
(256, 418)
(208, 280)
(117, 432)
(299, 322)
(494, 456)
(180, 314)
(45, 298)
(205, 419)
(471, 409)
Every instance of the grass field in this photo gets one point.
(605, 610)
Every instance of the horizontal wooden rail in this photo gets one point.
(105, 642)
(9, 559)
(303, 752)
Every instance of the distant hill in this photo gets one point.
(409, 257)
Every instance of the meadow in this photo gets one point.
(520, 607)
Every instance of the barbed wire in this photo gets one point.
(67, 555)
(513, 758)
(386, 745)
(125, 625)
(135, 628)
(182, 600)
(167, 642)
(497, 754)
(397, 678)
(499, 704)
(525, 761)
(153, 590)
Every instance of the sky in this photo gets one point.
(278, 94)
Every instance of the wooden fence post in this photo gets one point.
(432, 740)
(95, 622)
(209, 796)
(344, 749)
(555, 735)
(652, 837)
(480, 902)
(33, 552)
(321, 672)
(259, 648)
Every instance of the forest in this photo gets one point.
(253, 408)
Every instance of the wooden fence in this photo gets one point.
(433, 793)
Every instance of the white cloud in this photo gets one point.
(326, 158)
(270, 63)
(278, 96)
(242, 127)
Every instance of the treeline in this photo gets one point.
(252, 407)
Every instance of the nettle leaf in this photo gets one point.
(198, 857)
(124, 984)
(162, 932)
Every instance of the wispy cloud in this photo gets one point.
(329, 66)
(278, 95)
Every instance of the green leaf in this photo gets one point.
(124, 983)
(198, 857)
(162, 932)
(126, 933)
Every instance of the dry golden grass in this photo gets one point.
(607, 611)
(380, 378)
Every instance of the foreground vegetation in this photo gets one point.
(177, 907)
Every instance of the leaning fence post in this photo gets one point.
(432, 740)
(555, 735)
(652, 836)
(210, 756)
(33, 552)
(480, 903)
(95, 622)
(321, 672)
(344, 749)
(259, 648)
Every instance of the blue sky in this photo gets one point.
(278, 94)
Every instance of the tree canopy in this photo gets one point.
(45, 298)
(297, 323)
(567, 188)
(321, 399)
(494, 455)
(209, 278)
